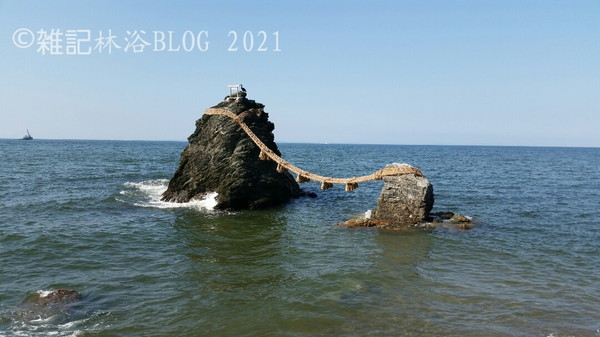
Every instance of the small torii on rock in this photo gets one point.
(236, 92)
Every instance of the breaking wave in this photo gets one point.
(148, 194)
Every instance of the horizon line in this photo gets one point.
(308, 143)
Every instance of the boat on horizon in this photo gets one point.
(27, 136)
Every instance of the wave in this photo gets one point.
(148, 194)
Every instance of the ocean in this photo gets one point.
(87, 215)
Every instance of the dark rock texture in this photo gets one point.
(459, 218)
(221, 158)
(60, 304)
(442, 215)
(386, 225)
(404, 200)
(56, 296)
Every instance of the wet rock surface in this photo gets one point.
(386, 225)
(51, 297)
(57, 304)
(221, 158)
(447, 220)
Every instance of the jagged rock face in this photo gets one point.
(221, 158)
(404, 200)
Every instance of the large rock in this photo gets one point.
(404, 200)
(221, 158)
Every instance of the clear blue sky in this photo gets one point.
(395, 72)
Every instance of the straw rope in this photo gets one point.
(302, 175)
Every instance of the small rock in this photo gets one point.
(385, 225)
(369, 223)
(464, 226)
(56, 296)
(443, 215)
(460, 218)
(44, 304)
(310, 194)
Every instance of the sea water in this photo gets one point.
(87, 215)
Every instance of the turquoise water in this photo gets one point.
(85, 215)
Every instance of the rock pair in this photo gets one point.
(220, 157)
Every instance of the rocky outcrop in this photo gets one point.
(221, 158)
(52, 297)
(386, 225)
(404, 204)
(448, 219)
(43, 304)
(405, 199)
(435, 221)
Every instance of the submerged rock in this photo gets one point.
(386, 225)
(438, 220)
(442, 215)
(51, 297)
(405, 199)
(58, 304)
(451, 220)
(460, 218)
(221, 158)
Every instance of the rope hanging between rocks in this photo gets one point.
(304, 176)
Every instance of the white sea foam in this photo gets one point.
(148, 194)
(69, 325)
(42, 319)
(44, 293)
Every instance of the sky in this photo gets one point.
(462, 72)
